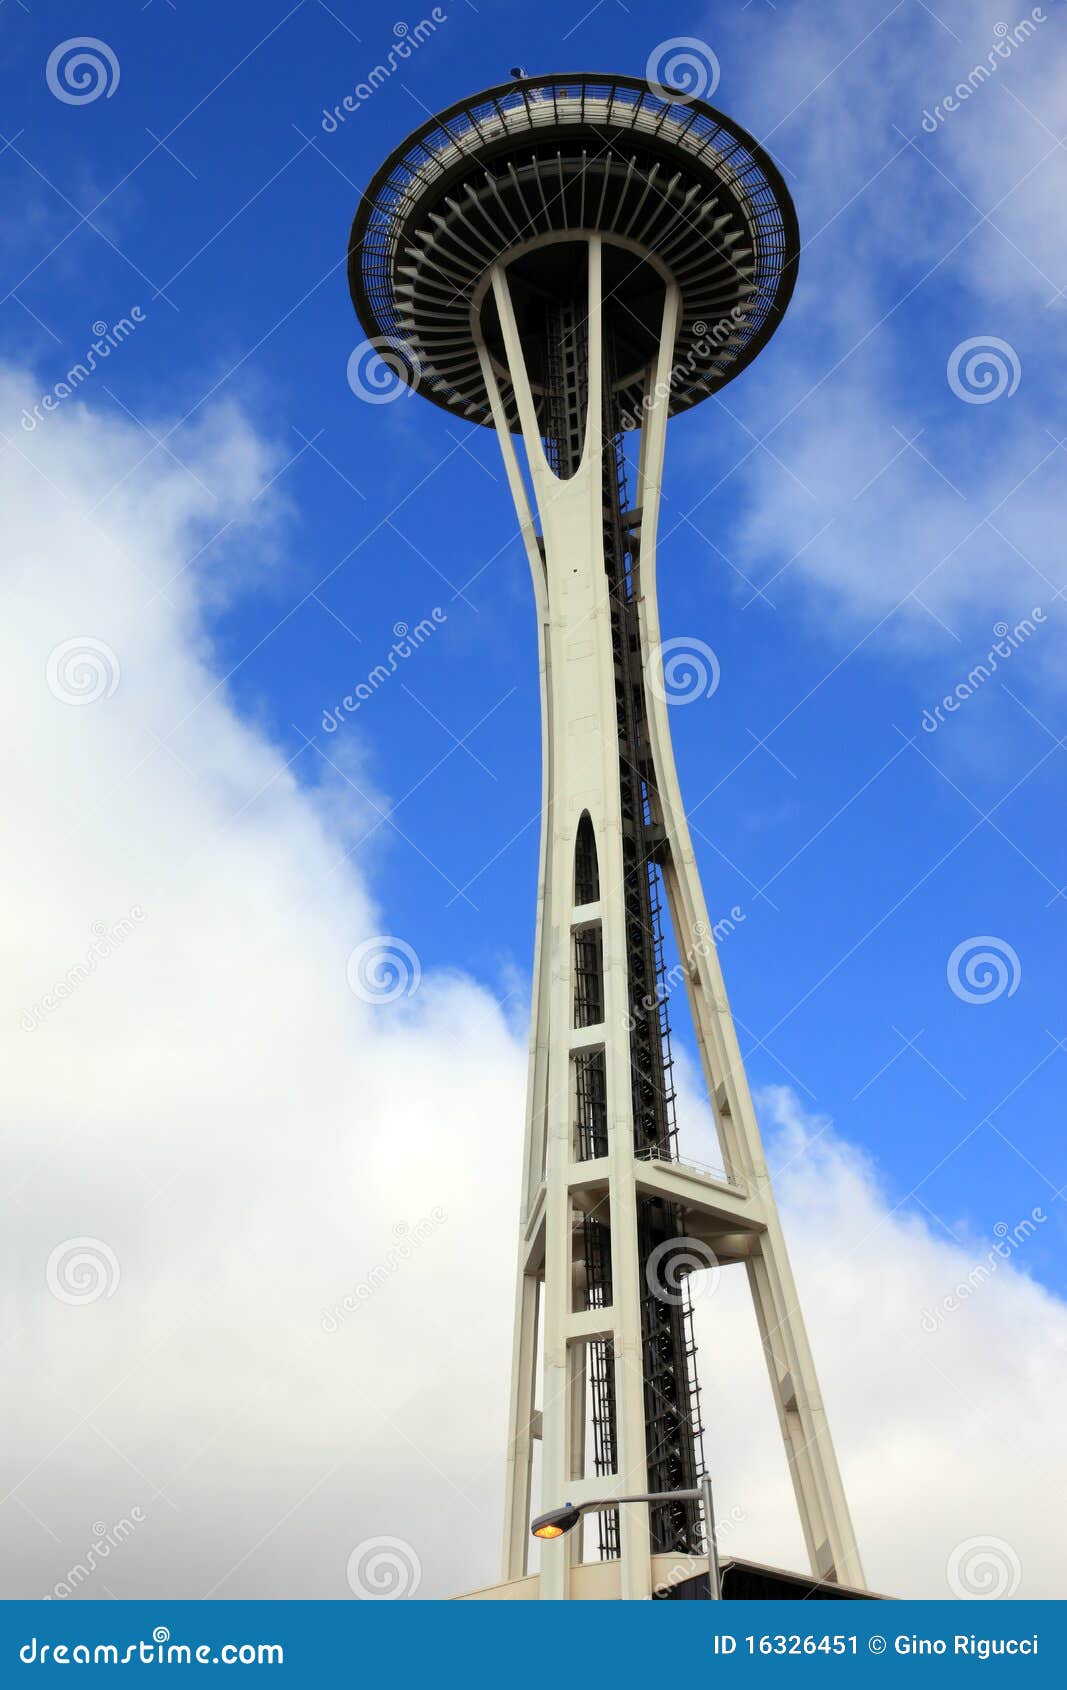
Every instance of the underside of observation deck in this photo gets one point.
(677, 190)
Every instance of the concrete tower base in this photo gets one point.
(678, 1577)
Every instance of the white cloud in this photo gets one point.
(899, 265)
(945, 1418)
(211, 1100)
(252, 1144)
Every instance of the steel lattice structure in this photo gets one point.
(566, 259)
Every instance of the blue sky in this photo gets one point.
(860, 860)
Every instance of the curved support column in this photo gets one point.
(824, 1514)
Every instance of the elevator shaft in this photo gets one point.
(671, 1402)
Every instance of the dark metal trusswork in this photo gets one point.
(672, 1417)
(600, 1363)
(673, 1431)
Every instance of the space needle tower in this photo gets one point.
(570, 260)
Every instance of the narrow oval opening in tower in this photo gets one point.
(586, 866)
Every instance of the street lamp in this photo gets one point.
(559, 1521)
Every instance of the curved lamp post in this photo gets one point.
(557, 1522)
